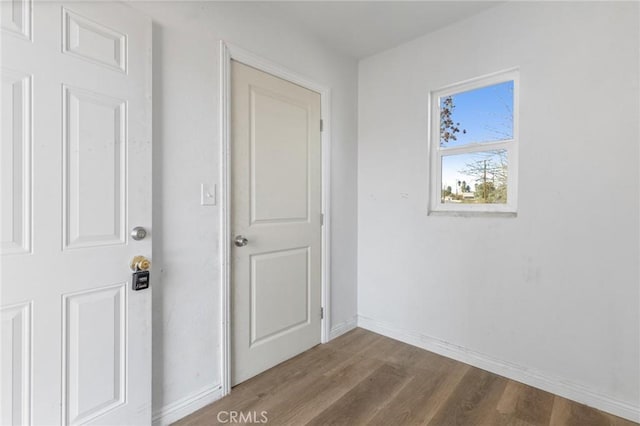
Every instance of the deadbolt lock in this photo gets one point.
(138, 233)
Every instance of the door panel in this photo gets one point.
(94, 352)
(276, 201)
(16, 18)
(280, 156)
(15, 364)
(93, 42)
(76, 176)
(279, 293)
(94, 133)
(16, 162)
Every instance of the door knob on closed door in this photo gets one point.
(240, 241)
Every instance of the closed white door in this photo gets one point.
(76, 177)
(275, 220)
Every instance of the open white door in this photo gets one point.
(76, 178)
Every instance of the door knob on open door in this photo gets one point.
(140, 263)
(240, 241)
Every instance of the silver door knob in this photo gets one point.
(138, 233)
(240, 241)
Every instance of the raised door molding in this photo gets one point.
(17, 18)
(94, 163)
(15, 157)
(16, 362)
(93, 42)
(93, 352)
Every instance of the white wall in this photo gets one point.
(552, 296)
(186, 285)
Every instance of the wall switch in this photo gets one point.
(207, 194)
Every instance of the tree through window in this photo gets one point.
(473, 160)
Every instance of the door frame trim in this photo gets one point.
(228, 52)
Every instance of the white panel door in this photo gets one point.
(76, 177)
(275, 205)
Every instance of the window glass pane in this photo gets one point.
(479, 115)
(475, 178)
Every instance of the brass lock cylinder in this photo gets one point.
(140, 263)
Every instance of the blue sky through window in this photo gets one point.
(486, 114)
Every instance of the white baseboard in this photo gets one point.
(343, 327)
(175, 411)
(512, 371)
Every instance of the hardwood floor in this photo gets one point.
(364, 378)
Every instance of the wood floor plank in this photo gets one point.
(403, 354)
(400, 353)
(365, 378)
(421, 399)
(362, 403)
(305, 401)
(474, 400)
(356, 341)
(327, 378)
(354, 369)
(313, 390)
(524, 405)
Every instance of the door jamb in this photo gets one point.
(228, 52)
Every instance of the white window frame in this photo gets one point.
(436, 152)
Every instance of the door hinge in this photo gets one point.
(321, 125)
(321, 219)
(321, 313)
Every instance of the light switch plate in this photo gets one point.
(207, 194)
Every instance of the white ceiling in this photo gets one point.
(362, 28)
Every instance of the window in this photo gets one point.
(474, 145)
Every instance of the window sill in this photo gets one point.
(458, 213)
